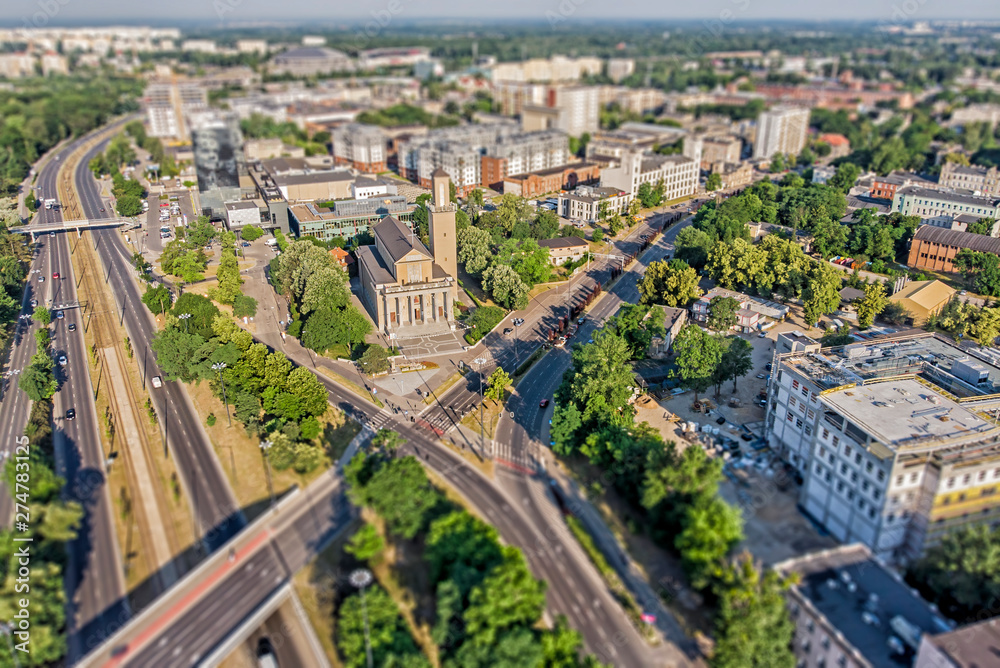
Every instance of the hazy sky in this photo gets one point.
(332, 11)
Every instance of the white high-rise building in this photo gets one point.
(168, 106)
(678, 173)
(782, 129)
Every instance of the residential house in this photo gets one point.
(674, 320)
(565, 249)
(747, 319)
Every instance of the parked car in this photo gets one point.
(507, 330)
(761, 376)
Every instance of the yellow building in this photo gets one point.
(923, 299)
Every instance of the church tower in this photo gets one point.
(444, 244)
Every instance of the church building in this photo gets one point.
(408, 289)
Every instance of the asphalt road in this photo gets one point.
(447, 412)
(94, 579)
(217, 515)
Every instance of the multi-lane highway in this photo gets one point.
(217, 515)
(94, 579)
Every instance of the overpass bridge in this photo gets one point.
(65, 225)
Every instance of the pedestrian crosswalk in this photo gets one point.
(518, 459)
(381, 419)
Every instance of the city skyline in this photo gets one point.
(725, 12)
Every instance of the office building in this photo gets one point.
(243, 212)
(894, 437)
(585, 203)
(408, 289)
(631, 137)
(168, 106)
(678, 173)
(942, 207)
(219, 161)
(346, 218)
(851, 611)
(981, 180)
(363, 147)
(885, 187)
(934, 248)
(782, 129)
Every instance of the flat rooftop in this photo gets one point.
(860, 598)
(905, 412)
(926, 355)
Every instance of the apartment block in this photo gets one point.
(733, 174)
(168, 106)
(363, 147)
(619, 68)
(481, 154)
(630, 137)
(16, 65)
(720, 149)
(851, 611)
(678, 173)
(895, 439)
(572, 109)
(557, 68)
(982, 180)
(782, 129)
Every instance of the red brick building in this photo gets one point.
(544, 181)
(934, 248)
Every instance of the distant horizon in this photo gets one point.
(304, 14)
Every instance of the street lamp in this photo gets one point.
(185, 317)
(517, 335)
(264, 447)
(482, 434)
(361, 578)
(219, 366)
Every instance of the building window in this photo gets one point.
(881, 475)
(808, 430)
(811, 414)
(857, 458)
(843, 469)
(805, 391)
(850, 495)
(847, 451)
(826, 435)
(864, 485)
(822, 451)
(966, 478)
(826, 477)
(798, 423)
(981, 476)
(951, 483)
(913, 476)
(792, 402)
(899, 480)
(871, 512)
(840, 486)
(836, 441)
(854, 476)
(868, 467)
(795, 384)
(876, 494)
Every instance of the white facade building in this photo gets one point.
(782, 129)
(678, 173)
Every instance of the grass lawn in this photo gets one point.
(241, 458)
(491, 415)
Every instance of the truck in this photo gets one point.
(51, 204)
(272, 242)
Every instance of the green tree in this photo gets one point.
(737, 360)
(474, 249)
(698, 355)
(873, 303)
(366, 544)
(202, 312)
(177, 352)
(692, 246)
(387, 440)
(230, 281)
(508, 597)
(982, 226)
(566, 420)
(597, 236)
(982, 270)
(42, 316)
(722, 313)
(844, 177)
(38, 382)
(600, 381)
(961, 573)
(710, 529)
(638, 324)
(374, 360)
(398, 491)
(753, 627)
(506, 287)
(498, 382)
(244, 307)
(129, 206)
(391, 643)
(984, 325)
(822, 293)
(251, 233)
(671, 283)
(713, 182)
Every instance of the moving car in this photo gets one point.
(265, 654)
(60, 315)
(41, 279)
(70, 413)
(157, 382)
(72, 327)
(543, 403)
(34, 303)
(62, 360)
(55, 275)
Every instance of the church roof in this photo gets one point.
(398, 240)
(439, 172)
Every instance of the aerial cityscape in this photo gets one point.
(415, 334)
